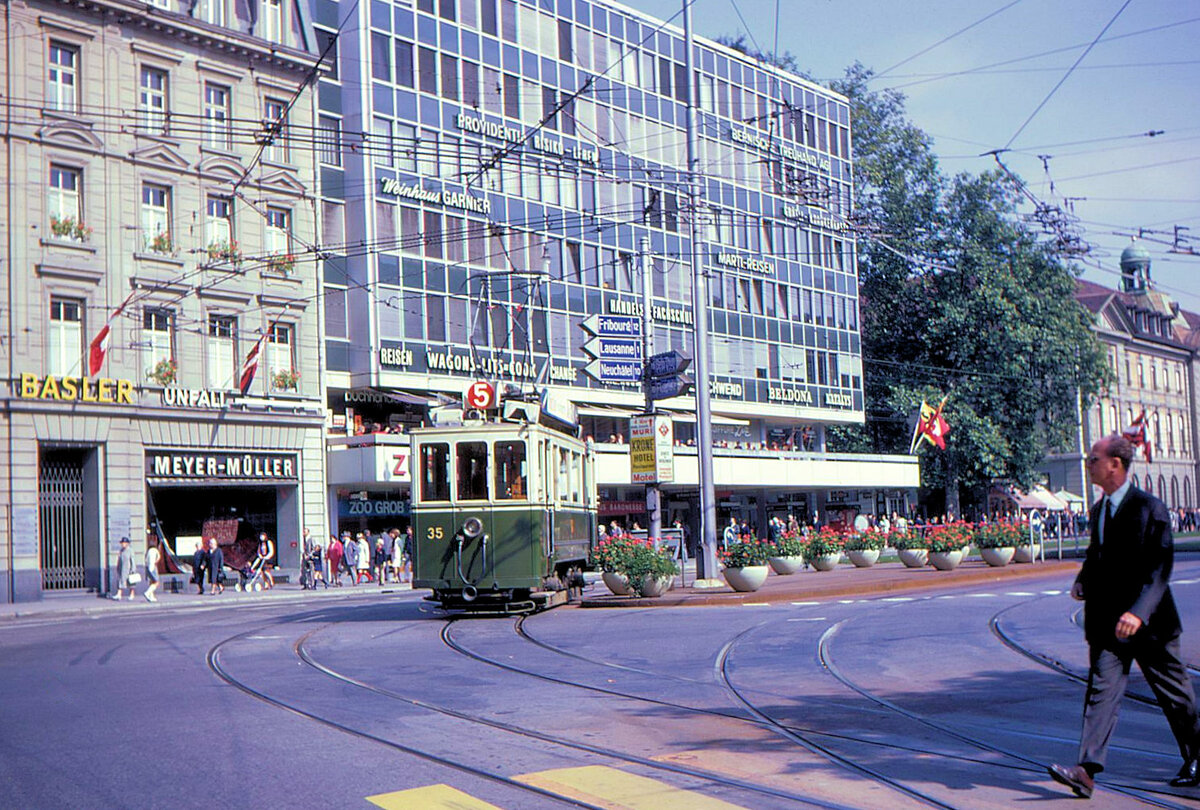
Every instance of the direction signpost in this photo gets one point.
(615, 348)
(664, 376)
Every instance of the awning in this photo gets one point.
(609, 412)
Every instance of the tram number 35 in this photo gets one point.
(435, 533)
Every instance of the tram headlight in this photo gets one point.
(472, 528)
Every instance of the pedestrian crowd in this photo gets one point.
(386, 558)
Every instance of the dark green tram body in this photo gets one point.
(504, 514)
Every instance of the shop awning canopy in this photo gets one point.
(1037, 498)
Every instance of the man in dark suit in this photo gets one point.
(1129, 615)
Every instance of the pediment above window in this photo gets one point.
(222, 167)
(281, 180)
(160, 155)
(70, 134)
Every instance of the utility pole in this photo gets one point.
(707, 557)
(653, 496)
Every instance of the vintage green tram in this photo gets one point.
(504, 514)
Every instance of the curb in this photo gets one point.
(108, 607)
(969, 573)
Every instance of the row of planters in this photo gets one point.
(635, 567)
(748, 563)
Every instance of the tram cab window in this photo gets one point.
(472, 471)
(511, 479)
(435, 472)
(576, 478)
(564, 473)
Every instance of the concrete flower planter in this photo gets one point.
(1027, 554)
(864, 558)
(825, 562)
(745, 580)
(913, 557)
(617, 583)
(945, 560)
(785, 565)
(997, 557)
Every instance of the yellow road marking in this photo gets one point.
(617, 790)
(433, 797)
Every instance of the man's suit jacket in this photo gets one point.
(1130, 571)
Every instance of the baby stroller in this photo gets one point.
(250, 576)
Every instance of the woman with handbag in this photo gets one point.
(153, 555)
(127, 575)
(216, 567)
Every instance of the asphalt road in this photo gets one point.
(952, 698)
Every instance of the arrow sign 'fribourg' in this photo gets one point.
(613, 325)
(614, 370)
(614, 348)
(666, 364)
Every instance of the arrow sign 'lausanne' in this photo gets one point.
(628, 326)
(614, 370)
(666, 364)
(607, 348)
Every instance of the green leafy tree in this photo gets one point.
(959, 300)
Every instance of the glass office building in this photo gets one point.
(490, 168)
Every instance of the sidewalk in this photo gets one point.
(89, 604)
(843, 582)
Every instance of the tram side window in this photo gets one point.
(564, 472)
(435, 472)
(511, 482)
(472, 471)
(576, 479)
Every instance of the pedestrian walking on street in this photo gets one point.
(126, 570)
(396, 552)
(334, 555)
(350, 552)
(380, 560)
(216, 567)
(153, 555)
(266, 553)
(199, 565)
(363, 560)
(408, 553)
(1129, 615)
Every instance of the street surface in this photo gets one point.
(941, 698)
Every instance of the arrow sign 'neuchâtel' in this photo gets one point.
(614, 370)
(666, 364)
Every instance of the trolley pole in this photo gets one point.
(653, 496)
(707, 556)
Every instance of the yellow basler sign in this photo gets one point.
(104, 390)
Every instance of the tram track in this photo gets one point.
(305, 656)
(1148, 796)
(213, 659)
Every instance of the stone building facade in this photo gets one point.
(158, 167)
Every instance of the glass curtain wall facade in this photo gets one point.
(491, 167)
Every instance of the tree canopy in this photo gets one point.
(960, 300)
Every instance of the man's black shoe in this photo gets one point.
(1188, 776)
(1075, 777)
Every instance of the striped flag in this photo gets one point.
(98, 348)
(1138, 437)
(250, 364)
(931, 427)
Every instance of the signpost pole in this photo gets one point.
(653, 497)
(708, 507)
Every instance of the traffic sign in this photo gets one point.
(614, 370)
(667, 387)
(666, 364)
(607, 348)
(613, 325)
(481, 396)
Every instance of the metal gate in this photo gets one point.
(60, 509)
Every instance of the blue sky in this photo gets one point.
(1142, 75)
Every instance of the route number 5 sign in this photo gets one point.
(481, 396)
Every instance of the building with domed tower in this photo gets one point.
(1153, 347)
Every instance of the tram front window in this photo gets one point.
(472, 471)
(435, 472)
(511, 483)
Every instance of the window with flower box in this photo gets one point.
(64, 345)
(64, 203)
(277, 243)
(62, 77)
(219, 238)
(158, 332)
(220, 350)
(281, 359)
(156, 219)
(152, 100)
